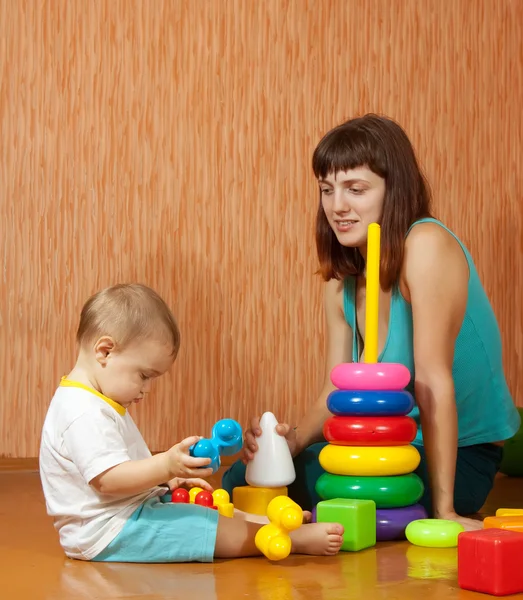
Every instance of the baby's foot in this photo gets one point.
(317, 538)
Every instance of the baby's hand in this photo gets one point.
(189, 483)
(182, 464)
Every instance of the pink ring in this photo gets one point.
(370, 376)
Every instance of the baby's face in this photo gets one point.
(128, 374)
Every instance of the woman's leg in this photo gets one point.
(476, 468)
(302, 490)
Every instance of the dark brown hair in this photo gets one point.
(127, 312)
(381, 145)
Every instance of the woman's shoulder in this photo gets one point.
(431, 230)
(430, 239)
(433, 254)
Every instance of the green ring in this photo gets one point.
(387, 492)
(434, 533)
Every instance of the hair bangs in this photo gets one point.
(346, 148)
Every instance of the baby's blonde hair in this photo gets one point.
(127, 312)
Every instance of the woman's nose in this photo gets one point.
(340, 202)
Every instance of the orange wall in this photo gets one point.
(170, 142)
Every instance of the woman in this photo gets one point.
(435, 318)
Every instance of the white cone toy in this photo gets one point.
(272, 464)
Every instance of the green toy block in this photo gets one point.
(358, 518)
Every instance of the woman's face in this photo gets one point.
(352, 200)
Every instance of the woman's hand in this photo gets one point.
(178, 482)
(468, 524)
(250, 446)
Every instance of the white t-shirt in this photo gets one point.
(84, 434)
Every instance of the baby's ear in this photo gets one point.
(103, 348)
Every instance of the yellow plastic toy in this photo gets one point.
(255, 500)
(509, 512)
(273, 540)
(369, 461)
(511, 522)
(372, 293)
(193, 492)
(222, 502)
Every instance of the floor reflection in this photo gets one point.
(349, 576)
(81, 580)
(432, 563)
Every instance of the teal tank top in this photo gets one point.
(486, 411)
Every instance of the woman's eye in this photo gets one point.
(325, 191)
(144, 377)
(357, 190)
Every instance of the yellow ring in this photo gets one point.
(369, 461)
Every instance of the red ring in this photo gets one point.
(370, 431)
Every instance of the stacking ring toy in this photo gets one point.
(370, 376)
(434, 533)
(391, 522)
(369, 461)
(387, 492)
(368, 403)
(370, 431)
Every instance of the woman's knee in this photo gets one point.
(234, 476)
(302, 490)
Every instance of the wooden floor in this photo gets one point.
(33, 567)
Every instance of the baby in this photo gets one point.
(102, 486)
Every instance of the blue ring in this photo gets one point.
(369, 403)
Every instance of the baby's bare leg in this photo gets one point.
(245, 516)
(240, 514)
(235, 538)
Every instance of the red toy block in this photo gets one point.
(489, 561)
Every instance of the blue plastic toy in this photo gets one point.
(227, 439)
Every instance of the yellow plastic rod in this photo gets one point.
(372, 293)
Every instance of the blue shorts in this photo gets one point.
(159, 532)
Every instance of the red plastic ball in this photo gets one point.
(181, 496)
(204, 498)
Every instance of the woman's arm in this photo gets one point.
(338, 343)
(338, 340)
(436, 275)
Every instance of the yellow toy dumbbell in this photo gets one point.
(273, 539)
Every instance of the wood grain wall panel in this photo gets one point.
(170, 143)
